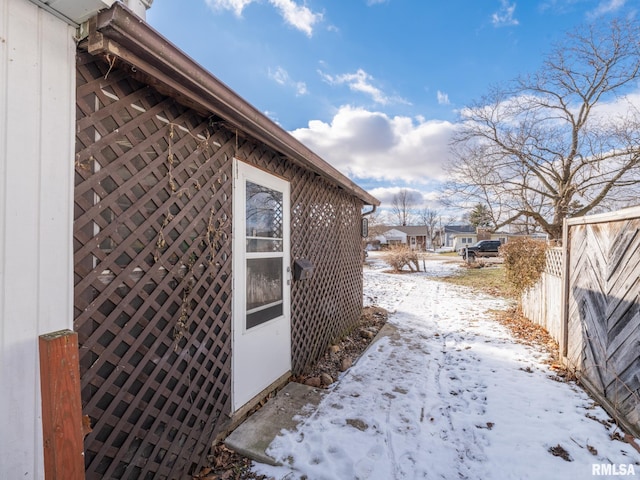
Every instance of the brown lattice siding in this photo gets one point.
(152, 243)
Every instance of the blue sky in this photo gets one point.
(373, 86)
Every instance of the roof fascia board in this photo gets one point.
(119, 32)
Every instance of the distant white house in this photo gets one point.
(416, 236)
(413, 236)
(450, 237)
(393, 236)
(465, 233)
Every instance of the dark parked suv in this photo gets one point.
(483, 248)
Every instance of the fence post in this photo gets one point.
(566, 258)
(61, 406)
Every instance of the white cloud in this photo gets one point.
(301, 88)
(375, 2)
(618, 109)
(362, 82)
(443, 98)
(366, 144)
(608, 111)
(605, 7)
(281, 76)
(504, 16)
(298, 16)
(425, 197)
(359, 81)
(386, 194)
(236, 6)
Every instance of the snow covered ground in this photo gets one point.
(453, 396)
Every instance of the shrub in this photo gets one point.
(524, 262)
(400, 256)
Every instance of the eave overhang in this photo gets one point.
(121, 34)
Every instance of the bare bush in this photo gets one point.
(400, 256)
(524, 262)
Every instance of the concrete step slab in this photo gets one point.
(283, 412)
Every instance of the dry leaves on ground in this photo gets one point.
(225, 464)
(347, 349)
(529, 333)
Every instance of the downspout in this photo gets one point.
(370, 212)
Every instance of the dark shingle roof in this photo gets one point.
(459, 229)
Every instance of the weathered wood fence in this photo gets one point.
(592, 308)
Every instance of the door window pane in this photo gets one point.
(264, 219)
(264, 290)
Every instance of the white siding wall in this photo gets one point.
(37, 115)
(395, 236)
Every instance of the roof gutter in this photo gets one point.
(373, 209)
(120, 33)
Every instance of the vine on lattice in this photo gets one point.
(214, 231)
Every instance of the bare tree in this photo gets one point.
(402, 206)
(430, 219)
(524, 226)
(551, 145)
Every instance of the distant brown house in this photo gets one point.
(416, 237)
(214, 254)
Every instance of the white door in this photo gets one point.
(261, 277)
